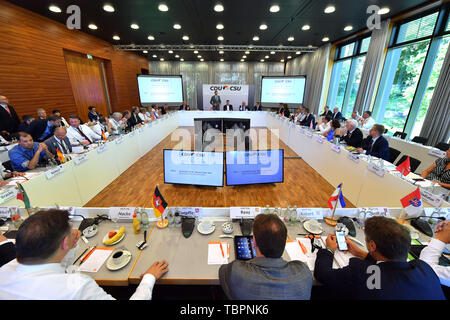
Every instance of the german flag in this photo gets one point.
(59, 156)
(158, 203)
(104, 136)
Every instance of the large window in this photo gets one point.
(411, 71)
(346, 75)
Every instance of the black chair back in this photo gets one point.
(421, 140)
(394, 153)
(413, 161)
(402, 135)
(442, 146)
(7, 165)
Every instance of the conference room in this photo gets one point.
(212, 151)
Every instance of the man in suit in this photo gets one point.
(353, 136)
(243, 107)
(164, 109)
(215, 101)
(383, 272)
(59, 141)
(257, 107)
(7, 250)
(337, 115)
(134, 118)
(93, 115)
(286, 111)
(42, 114)
(42, 129)
(375, 144)
(267, 276)
(184, 106)
(80, 135)
(27, 155)
(309, 118)
(9, 120)
(25, 126)
(228, 106)
(327, 112)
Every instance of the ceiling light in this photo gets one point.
(262, 60)
(195, 51)
(176, 26)
(384, 10)
(306, 27)
(310, 46)
(330, 9)
(274, 8)
(220, 38)
(221, 60)
(221, 52)
(243, 57)
(54, 8)
(191, 46)
(151, 37)
(255, 38)
(185, 38)
(272, 52)
(116, 38)
(291, 38)
(108, 8)
(93, 26)
(247, 52)
(199, 56)
(170, 51)
(163, 7)
(155, 56)
(298, 52)
(242, 60)
(348, 28)
(162, 59)
(218, 8)
(177, 56)
(219, 26)
(202, 60)
(267, 57)
(282, 60)
(289, 57)
(145, 51)
(263, 27)
(326, 39)
(181, 59)
(134, 26)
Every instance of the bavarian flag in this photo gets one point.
(22, 195)
(104, 136)
(412, 204)
(60, 156)
(158, 203)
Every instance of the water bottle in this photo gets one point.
(144, 219)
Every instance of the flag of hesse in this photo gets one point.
(158, 203)
(413, 203)
(330, 135)
(60, 156)
(337, 194)
(404, 167)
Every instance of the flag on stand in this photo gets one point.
(337, 195)
(22, 195)
(158, 203)
(404, 167)
(412, 203)
(60, 156)
(104, 136)
(330, 135)
(311, 125)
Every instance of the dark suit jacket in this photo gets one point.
(329, 114)
(52, 144)
(355, 139)
(163, 111)
(286, 112)
(380, 148)
(399, 280)
(257, 108)
(215, 99)
(307, 121)
(8, 122)
(7, 253)
(266, 279)
(228, 107)
(187, 107)
(37, 128)
(24, 127)
(134, 120)
(337, 116)
(247, 108)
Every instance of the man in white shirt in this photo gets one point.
(367, 122)
(325, 125)
(45, 245)
(434, 250)
(117, 124)
(355, 116)
(102, 125)
(80, 134)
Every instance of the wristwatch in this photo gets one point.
(331, 250)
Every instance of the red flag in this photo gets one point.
(404, 167)
(412, 203)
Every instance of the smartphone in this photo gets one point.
(244, 247)
(340, 238)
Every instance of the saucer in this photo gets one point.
(111, 264)
(203, 230)
(118, 240)
(91, 231)
(313, 226)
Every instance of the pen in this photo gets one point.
(87, 255)
(81, 255)
(221, 249)
(302, 246)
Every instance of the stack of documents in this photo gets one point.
(218, 252)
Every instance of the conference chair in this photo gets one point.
(394, 153)
(442, 146)
(402, 135)
(7, 165)
(413, 161)
(421, 140)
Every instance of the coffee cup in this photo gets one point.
(118, 257)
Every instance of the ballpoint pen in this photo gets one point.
(87, 255)
(81, 255)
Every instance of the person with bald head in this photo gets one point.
(60, 141)
(9, 120)
(42, 114)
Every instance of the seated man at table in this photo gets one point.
(59, 141)
(80, 134)
(327, 112)
(375, 144)
(355, 116)
(45, 245)
(383, 273)
(42, 129)
(309, 119)
(25, 126)
(257, 107)
(42, 114)
(267, 276)
(228, 106)
(27, 155)
(7, 250)
(336, 115)
(185, 106)
(439, 171)
(57, 113)
(352, 136)
(102, 126)
(325, 125)
(117, 125)
(366, 121)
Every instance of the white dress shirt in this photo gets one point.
(115, 125)
(368, 123)
(324, 127)
(143, 117)
(98, 129)
(430, 254)
(75, 137)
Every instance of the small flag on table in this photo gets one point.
(60, 156)
(104, 136)
(330, 135)
(22, 195)
(337, 195)
(158, 203)
(404, 167)
(412, 203)
(311, 125)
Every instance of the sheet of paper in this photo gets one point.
(96, 260)
(342, 258)
(215, 253)
(310, 256)
(295, 251)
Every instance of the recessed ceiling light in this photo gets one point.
(181, 59)
(290, 38)
(163, 7)
(282, 60)
(326, 39)
(202, 60)
(330, 9)
(267, 57)
(176, 26)
(255, 38)
(348, 28)
(220, 38)
(310, 46)
(384, 10)
(243, 57)
(185, 38)
(262, 60)
(93, 26)
(242, 60)
(196, 51)
(218, 8)
(162, 59)
(274, 8)
(221, 60)
(54, 8)
(170, 51)
(263, 27)
(150, 37)
(155, 56)
(116, 38)
(199, 56)
(145, 51)
(247, 52)
(306, 27)
(108, 8)
(219, 26)
(298, 52)
(289, 57)
(177, 56)
(134, 26)
(221, 52)
(272, 52)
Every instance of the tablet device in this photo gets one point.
(243, 246)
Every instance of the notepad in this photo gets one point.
(96, 259)
(295, 251)
(215, 256)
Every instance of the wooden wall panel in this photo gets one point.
(33, 71)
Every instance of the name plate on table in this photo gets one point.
(310, 213)
(119, 140)
(8, 194)
(50, 174)
(3, 149)
(122, 214)
(80, 159)
(5, 212)
(101, 149)
(132, 133)
(437, 153)
(319, 139)
(353, 157)
(335, 148)
(374, 212)
(308, 134)
(431, 198)
(244, 212)
(190, 212)
(376, 169)
(141, 130)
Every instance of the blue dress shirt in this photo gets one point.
(21, 157)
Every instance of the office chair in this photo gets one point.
(442, 146)
(421, 140)
(402, 135)
(413, 161)
(7, 165)
(394, 153)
